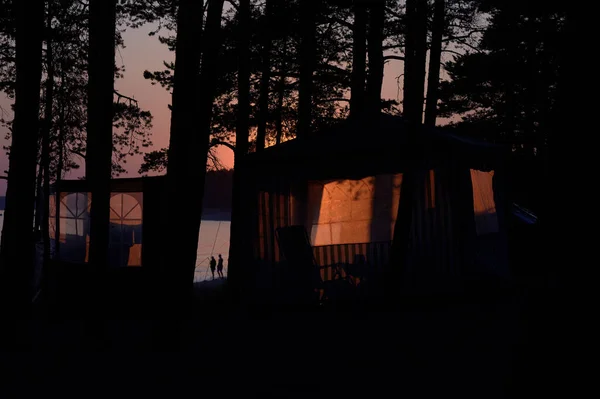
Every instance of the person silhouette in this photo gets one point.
(220, 267)
(213, 265)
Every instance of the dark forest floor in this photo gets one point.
(476, 347)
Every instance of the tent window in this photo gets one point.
(74, 224)
(126, 229)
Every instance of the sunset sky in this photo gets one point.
(143, 52)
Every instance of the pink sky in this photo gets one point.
(143, 52)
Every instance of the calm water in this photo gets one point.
(214, 240)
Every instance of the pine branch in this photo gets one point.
(393, 57)
(120, 96)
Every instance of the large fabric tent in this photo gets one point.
(343, 184)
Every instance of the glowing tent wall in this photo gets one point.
(454, 224)
(491, 246)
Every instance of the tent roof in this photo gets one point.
(364, 147)
(129, 184)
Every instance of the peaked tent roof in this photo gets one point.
(364, 147)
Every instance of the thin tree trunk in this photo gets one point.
(280, 98)
(435, 58)
(48, 117)
(238, 241)
(210, 64)
(60, 163)
(17, 246)
(415, 61)
(243, 122)
(359, 55)
(61, 129)
(307, 64)
(281, 84)
(420, 59)
(100, 123)
(265, 79)
(375, 78)
(37, 219)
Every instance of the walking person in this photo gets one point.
(213, 266)
(220, 267)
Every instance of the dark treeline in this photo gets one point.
(217, 191)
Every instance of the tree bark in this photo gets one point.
(414, 81)
(37, 223)
(435, 56)
(48, 118)
(61, 130)
(60, 163)
(279, 115)
(17, 246)
(188, 146)
(265, 79)
(281, 84)
(359, 55)
(414, 64)
(98, 165)
(238, 239)
(243, 122)
(375, 78)
(307, 64)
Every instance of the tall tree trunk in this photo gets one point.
(415, 61)
(414, 81)
(435, 58)
(279, 115)
(243, 122)
(37, 220)
(375, 78)
(265, 79)
(61, 128)
(60, 162)
(98, 166)
(281, 84)
(48, 117)
(17, 247)
(309, 9)
(188, 146)
(359, 55)
(239, 215)
(186, 171)
(308, 12)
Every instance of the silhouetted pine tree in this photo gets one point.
(17, 247)
(100, 124)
